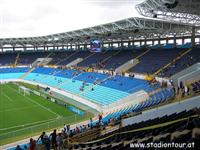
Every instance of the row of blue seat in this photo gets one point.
(157, 98)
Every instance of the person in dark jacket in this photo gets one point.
(53, 139)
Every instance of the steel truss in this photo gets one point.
(185, 11)
(130, 28)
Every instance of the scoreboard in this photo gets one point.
(95, 45)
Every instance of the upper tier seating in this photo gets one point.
(7, 58)
(70, 57)
(60, 58)
(27, 58)
(95, 58)
(191, 58)
(121, 58)
(155, 59)
(111, 59)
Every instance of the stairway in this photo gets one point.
(110, 56)
(24, 75)
(16, 59)
(139, 56)
(66, 58)
(173, 61)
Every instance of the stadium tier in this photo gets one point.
(7, 59)
(121, 139)
(129, 84)
(103, 89)
(156, 59)
(12, 73)
(173, 123)
(150, 62)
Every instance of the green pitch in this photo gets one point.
(25, 115)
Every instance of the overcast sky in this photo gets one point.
(25, 18)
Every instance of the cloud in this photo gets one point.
(25, 18)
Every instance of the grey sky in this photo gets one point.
(24, 18)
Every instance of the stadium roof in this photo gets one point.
(130, 28)
(185, 11)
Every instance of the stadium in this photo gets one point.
(129, 84)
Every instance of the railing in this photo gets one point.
(132, 99)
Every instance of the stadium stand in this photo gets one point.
(103, 84)
(191, 58)
(160, 58)
(171, 126)
(196, 86)
(27, 58)
(7, 59)
(163, 57)
(12, 73)
(168, 112)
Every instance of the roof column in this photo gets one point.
(193, 36)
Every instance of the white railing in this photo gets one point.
(132, 99)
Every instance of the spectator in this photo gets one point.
(46, 142)
(32, 144)
(59, 140)
(41, 137)
(18, 147)
(68, 128)
(65, 127)
(25, 147)
(90, 124)
(77, 129)
(53, 139)
(100, 118)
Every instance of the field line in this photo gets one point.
(7, 96)
(28, 124)
(18, 108)
(34, 102)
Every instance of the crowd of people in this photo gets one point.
(59, 140)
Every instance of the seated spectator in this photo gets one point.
(18, 147)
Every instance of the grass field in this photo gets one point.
(19, 112)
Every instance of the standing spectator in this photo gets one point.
(65, 127)
(90, 122)
(59, 140)
(68, 127)
(53, 139)
(41, 137)
(46, 142)
(100, 117)
(186, 90)
(32, 144)
(77, 129)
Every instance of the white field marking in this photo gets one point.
(19, 108)
(35, 102)
(28, 124)
(7, 97)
